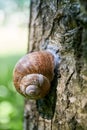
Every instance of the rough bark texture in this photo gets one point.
(62, 23)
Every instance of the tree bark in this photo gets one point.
(63, 24)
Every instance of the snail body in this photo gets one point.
(33, 74)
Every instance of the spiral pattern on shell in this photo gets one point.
(33, 74)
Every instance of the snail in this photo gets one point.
(34, 72)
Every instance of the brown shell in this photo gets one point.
(41, 62)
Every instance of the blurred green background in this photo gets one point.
(14, 16)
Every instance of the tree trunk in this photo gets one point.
(61, 23)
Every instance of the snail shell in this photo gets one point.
(33, 74)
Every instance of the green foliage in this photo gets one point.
(11, 103)
(19, 4)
